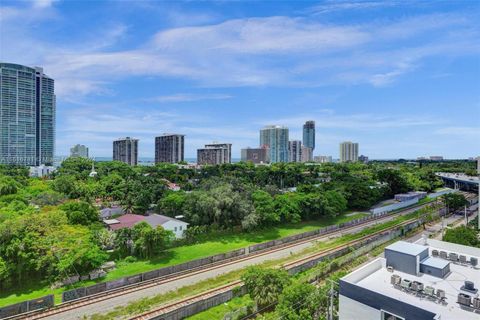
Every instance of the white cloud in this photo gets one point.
(266, 51)
(462, 131)
(43, 3)
(188, 97)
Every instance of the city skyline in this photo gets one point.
(408, 78)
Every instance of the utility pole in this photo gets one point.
(466, 218)
(331, 301)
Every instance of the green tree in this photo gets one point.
(300, 301)
(8, 185)
(148, 241)
(172, 204)
(454, 201)
(396, 181)
(80, 212)
(265, 285)
(288, 207)
(462, 235)
(265, 207)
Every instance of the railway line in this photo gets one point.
(100, 297)
(174, 305)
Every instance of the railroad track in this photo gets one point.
(175, 305)
(106, 295)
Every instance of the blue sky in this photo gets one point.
(402, 78)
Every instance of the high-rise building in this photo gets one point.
(295, 151)
(348, 151)
(323, 159)
(27, 116)
(307, 154)
(309, 134)
(169, 148)
(79, 150)
(227, 153)
(216, 153)
(276, 139)
(256, 155)
(126, 150)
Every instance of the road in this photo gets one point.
(108, 305)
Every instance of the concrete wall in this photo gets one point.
(26, 306)
(350, 309)
(401, 261)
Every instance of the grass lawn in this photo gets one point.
(219, 311)
(176, 255)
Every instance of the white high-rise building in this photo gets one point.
(348, 151)
(276, 139)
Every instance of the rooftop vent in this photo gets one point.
(469, 286)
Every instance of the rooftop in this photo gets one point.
(406, 247)
(375, 277)
(436, 262)
(157, 220)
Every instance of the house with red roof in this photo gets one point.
(178, 227)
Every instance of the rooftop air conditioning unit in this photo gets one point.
(473, 261)
(390, 269)
(395, 279)
(476, 303)
(417, 286)
(406, 284)
(464, 299)
(429, 291)
(435, 253)
(453, 256)
(443, 255)
(440, 294)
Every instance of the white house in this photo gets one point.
(176, 226)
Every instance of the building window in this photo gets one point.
(180, 228)
(175, 229)
(390, 316)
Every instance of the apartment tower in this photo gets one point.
(27, 116)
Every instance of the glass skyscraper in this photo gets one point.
(27, 116)
(309, 134)
(276, 139)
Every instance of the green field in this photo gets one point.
(219, 311)
(177, 255)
